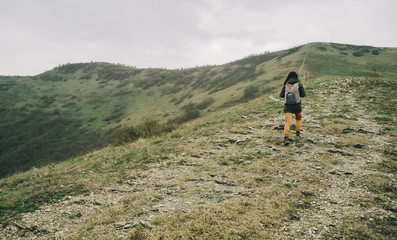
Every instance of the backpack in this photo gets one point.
(292, 94)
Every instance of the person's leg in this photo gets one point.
(287, 125)
(298, 118)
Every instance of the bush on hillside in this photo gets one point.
(358, 54)
(187, 116)
(71, 67)
(50, 77)
(86, 76)
(151, 126)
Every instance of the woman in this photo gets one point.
(292, 91)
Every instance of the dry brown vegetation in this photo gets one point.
(227, 175)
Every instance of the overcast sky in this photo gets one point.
(37, 35)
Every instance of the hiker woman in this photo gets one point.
(292, 91)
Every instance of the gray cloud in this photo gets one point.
(37, 35)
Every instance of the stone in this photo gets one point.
(146, 225)
(359, 146)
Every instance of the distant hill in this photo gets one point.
(75, 108)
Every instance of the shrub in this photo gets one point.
(358, 54)
(86, 76)
(151, 127)
(148, 128)
(188, 115)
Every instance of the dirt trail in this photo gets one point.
(338, 163)
(347, 193)
(303, 64)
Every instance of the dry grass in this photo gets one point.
(227, 176)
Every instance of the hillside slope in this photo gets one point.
(75, 108)
(227, 175)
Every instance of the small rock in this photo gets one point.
(363, 131)
(21, 225)
(128, 225)
(124, 225)
(391, 152)
(340, 152)
(146, 225)
(358, 146)
(280, 127)
(310, 141)
(120, 224)
(294, 217)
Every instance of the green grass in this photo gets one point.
(355, 62)
(75, 108)
(224, 210)
(383, 118)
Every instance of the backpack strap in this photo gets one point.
(286, 92)
(293, 92)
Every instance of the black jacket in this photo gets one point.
(293, 108)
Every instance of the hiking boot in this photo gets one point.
(286, 140)
(298, 133)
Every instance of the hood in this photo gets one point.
(292, 81)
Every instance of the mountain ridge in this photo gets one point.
(77, 107)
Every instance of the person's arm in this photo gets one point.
(302, 91)
(282, 94)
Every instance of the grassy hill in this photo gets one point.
(227, 175)
(75, 108)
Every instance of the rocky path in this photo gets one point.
(347, 195)
(336, 166)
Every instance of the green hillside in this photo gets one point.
(227, 175)
(75, 108)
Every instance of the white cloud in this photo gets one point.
(40, 34)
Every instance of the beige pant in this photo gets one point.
(288, 120)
